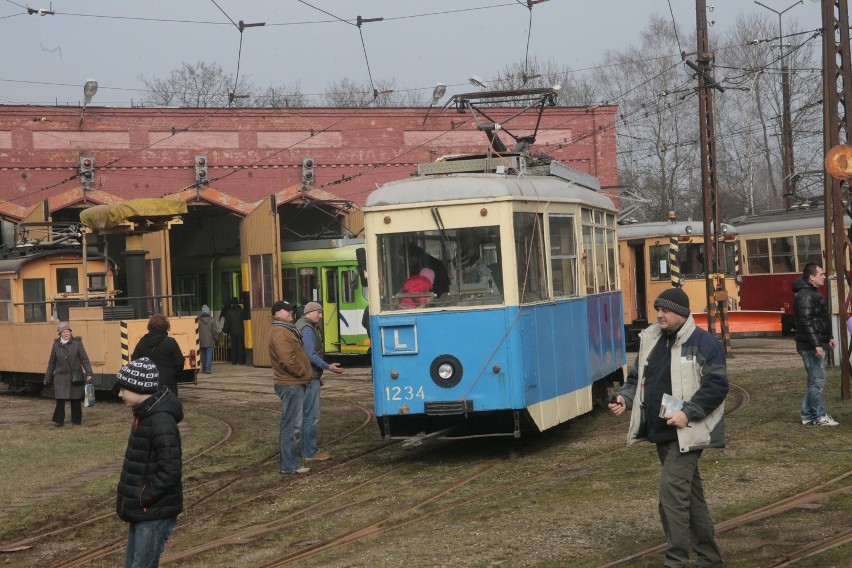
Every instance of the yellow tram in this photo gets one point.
(658, 255)
(52, 276)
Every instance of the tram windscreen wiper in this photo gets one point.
(440, 223)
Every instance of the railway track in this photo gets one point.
(348, 497)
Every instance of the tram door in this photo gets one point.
(230, 284)
(331, 308)
(634, 288)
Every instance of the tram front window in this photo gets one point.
(454, 267)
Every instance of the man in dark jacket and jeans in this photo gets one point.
(813, 335)
(150, 490)
(310, 325)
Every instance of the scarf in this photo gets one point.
(291, 327)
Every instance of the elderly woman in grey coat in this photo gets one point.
(67, 358)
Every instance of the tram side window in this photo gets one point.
(34, 305)
(260, 266)
(599, 247)
(5, 299)
(288, 277)
(331, 286)
(67, 280)
(757, 253)
(659, 255)
(588, 252)
(730, 255)
(530, 254)
(690, 257)
(563, 255)
(611, 245)
(349, 282)
(782, 254)
(308, 285)
(808, 249)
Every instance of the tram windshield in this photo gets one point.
(454, 267)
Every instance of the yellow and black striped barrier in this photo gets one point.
(125, 343)
(674, 268)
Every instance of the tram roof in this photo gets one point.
(783, 221)
(427, 190)
(321, 244)
(12, 261)
(667, 229)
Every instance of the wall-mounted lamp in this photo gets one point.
(89, 90)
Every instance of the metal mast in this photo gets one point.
(837, 96)
(715, 282)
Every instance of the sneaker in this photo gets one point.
(806, 422)
(318, 457)
(826, 420)
(301, 469)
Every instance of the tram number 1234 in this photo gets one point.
(403, 393)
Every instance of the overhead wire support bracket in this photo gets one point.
(359, 20)
(709, 81)
(242, 25)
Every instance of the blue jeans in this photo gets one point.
(206, 359)
(146, 541)
(813, 405)
(310, 418)
(292, 397)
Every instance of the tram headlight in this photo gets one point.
(446, 371)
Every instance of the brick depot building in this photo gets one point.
(255, 163)
(254, 153)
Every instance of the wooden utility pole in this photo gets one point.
(837, 98)
(715, 283)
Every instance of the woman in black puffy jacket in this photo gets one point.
(163, 350)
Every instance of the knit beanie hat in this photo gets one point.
(205, 310)
(674, 300)
(312, 307)
(140, 376)
(62, 327)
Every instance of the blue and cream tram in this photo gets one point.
(523, 327)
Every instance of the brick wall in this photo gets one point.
(252, 153)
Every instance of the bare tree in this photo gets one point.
(658, 129)
(348, 93)
(533, 73)
(282, 96)
(750, 112)
(658, 150)
(195, 85)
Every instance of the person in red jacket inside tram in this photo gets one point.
(418, 283)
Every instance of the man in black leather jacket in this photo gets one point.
(813, 336)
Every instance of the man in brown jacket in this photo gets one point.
(292, 372)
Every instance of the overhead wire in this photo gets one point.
(674, 27)
(370, 74)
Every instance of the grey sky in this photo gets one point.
(48, 59)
